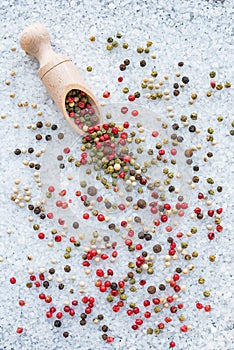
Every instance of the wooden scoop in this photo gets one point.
(57, 72)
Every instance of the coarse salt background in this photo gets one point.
(199, 33)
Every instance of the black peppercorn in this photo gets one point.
(57, 323)
(39, 125)
(176, 86)
(67, 268)
(196, 168)
(30, 150)
(54, 127)
(61, 286)
(175, 126)
(48, 137)
(105, 328)
(38, 137)
(122, 67)
(192, 128)
(51, 270)
(126, 62)
(82, 322)
(30, 207)
(114, 286)
(46, 284)
(162, 287)
(148, 237)
(185, 80)
(142, 63)
(65, 334)
(178, 270)
(17, 151)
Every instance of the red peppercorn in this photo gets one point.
(19, 330)
(147, 314)
(199, 306)
(213, 84)
(12, 280)
(207, 308)
(115, 308)
(52, 309)
(156, 301)
(219, 211)
(211, 236)
(172, 344)
(72, 312)
(161, 325)
(59, 315)
(66, 308)
(110, 339)
(164, 218)
(128, 242)
(139, 321)
(210, 212)
(134, 327)
(219, 228)
(41, 235)
(146, 302)
(102, 289)
(101, 217)
(21, 302)
(184, 328)
(131, 98)
(86, 216)
(49, 314)
(106, 94)
(99, 272)
(136, 310)
(88, 310)
(129, 312)
(85, 299)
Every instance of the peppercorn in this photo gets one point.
(51, 270)
(122, 67)
(142, 63)
(185, 80)
(127, 62)
(57, 323)
(157, 248)
(82, 322)
(65, 334)
(38, 137)
(61, 286)
(192, 128)
(39, 124)
(162, 287)
(151, 289)
(17, 151)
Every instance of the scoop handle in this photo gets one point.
(35, 41)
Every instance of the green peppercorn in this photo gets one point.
(140, 49)
(206, 293)
(157, 309)
(110, 39)
(89, 69)
(212, 74)
(227, 85)
(219, 86)
(212, 258)
(201, 280)
(125, 45)
(210, 180)
(125, 90)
